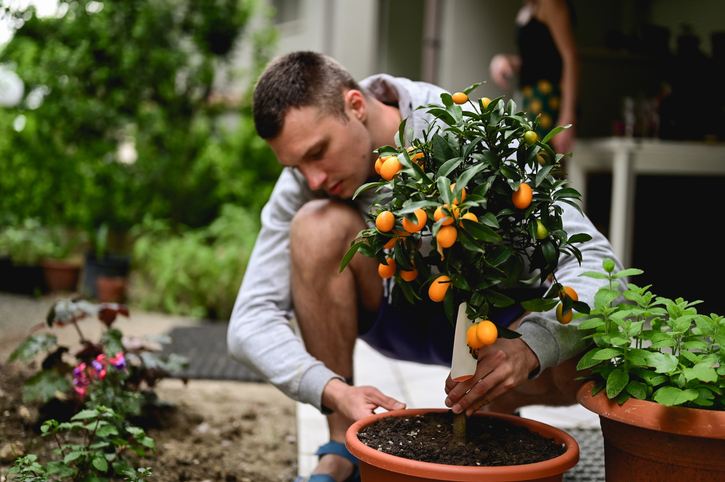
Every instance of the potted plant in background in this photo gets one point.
(105, 272)
(657, 381)
(485, 190)
(62, 266)
(23, 245)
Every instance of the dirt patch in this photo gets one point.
(429, 438)
(230, 431)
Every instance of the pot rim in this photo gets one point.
(655, 416)
(557, 465)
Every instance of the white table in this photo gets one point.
(625, 158)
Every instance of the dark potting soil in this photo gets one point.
(429, 438)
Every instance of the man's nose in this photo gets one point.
(315, 176)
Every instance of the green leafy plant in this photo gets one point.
(26, 242)
(153, 79)
(198, 271)
(472, 162)
(651, 347)
(117, 372)
(91, 447)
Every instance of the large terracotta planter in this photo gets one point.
(648, 441)
(381, 467)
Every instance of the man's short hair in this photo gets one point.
(299, 79)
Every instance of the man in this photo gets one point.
(324, 126)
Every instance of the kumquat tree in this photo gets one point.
(472, 208)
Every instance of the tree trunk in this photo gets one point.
(459, 427)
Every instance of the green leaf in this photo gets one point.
(400, 139)
(100, 464)
(498, 300)
(591, 323)
(468, 242)
(552, 133)
(444, 186)
(588, 360)
(471, 88)
(106, 430)
(542, 174)
(481, 232)
(608, 354)
(508, 333)
(638, 357)
(86, 414)
(627, 272)
(539, 305)
(637, 389)
(367, 186)
(704, 372)
(579, 238)
(567, 192)
(350, 254)
(449, 166)
(490, 220)
(31, 346)
(441, 148)
(74, 455)
(616, 381)
(499, 255)
(670, 396)
(662, 362)
(43, 386)
(605, 296)
(468, 174)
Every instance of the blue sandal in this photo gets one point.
(335, 448)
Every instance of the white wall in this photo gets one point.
(343, 29)
(473, 32)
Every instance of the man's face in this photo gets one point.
(333, 155)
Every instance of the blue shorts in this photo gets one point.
(421, 332)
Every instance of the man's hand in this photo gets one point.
(501, 368)
(355, 403)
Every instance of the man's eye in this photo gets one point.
(317, 154)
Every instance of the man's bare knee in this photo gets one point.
(326, 220)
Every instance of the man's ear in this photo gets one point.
(356, 103)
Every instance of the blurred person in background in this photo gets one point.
(547, 67)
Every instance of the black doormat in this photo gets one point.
(591, 456)
(205, 346)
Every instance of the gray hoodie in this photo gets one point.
(260, 335)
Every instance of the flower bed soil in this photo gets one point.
(429, 438)
(217, 431)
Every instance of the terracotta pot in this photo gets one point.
(61, 275)
(111, 289)
(648, 441)
(111, 265)
(381, 467)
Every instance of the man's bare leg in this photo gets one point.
(328, 303)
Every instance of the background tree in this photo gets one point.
(119, 120)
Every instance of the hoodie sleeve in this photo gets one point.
(260, 335)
